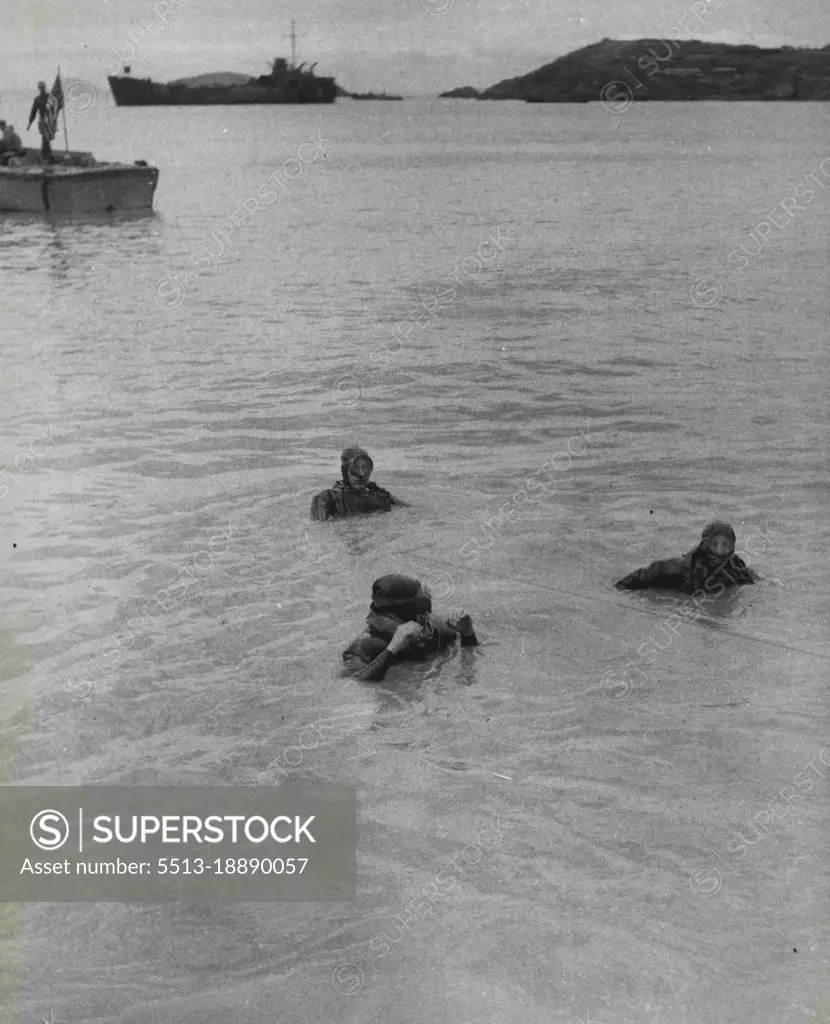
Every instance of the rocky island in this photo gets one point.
(212, 78)
(466, 92)
(661, 69)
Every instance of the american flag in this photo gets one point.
(54, 105)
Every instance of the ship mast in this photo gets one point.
(293, 44)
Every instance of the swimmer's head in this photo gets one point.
(356, 467)
(402, 596)
(718, 541)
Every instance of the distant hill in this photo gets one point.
(466, 92)
(213, 78)
(655, 69)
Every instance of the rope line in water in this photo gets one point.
(616, 604)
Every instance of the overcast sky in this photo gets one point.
(409, 46)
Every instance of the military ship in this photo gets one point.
(286, 83)
(374, 96)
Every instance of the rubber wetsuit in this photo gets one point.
(396, 600)
(695, 571)
(344, 500)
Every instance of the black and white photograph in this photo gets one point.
(414, 512)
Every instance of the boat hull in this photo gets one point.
(104, 188)
(142, 92)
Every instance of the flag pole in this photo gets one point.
(63, 110)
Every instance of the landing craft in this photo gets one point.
(76, 183)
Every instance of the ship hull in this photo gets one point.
(70, 189)
(142, 92)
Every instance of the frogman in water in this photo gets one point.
(713, 563)
(400, 626)
(354, 494)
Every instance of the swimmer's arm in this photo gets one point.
(372, 672)
(463, 625)
(356, 656)
(664, 574)
(322, 507)
(749, 574)
(389, 496)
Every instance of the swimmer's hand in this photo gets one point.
(403, 635)
(461, 622)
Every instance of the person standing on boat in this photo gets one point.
(40, 108)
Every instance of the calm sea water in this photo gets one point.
(171, 616)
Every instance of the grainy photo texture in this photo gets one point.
(414, 512)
